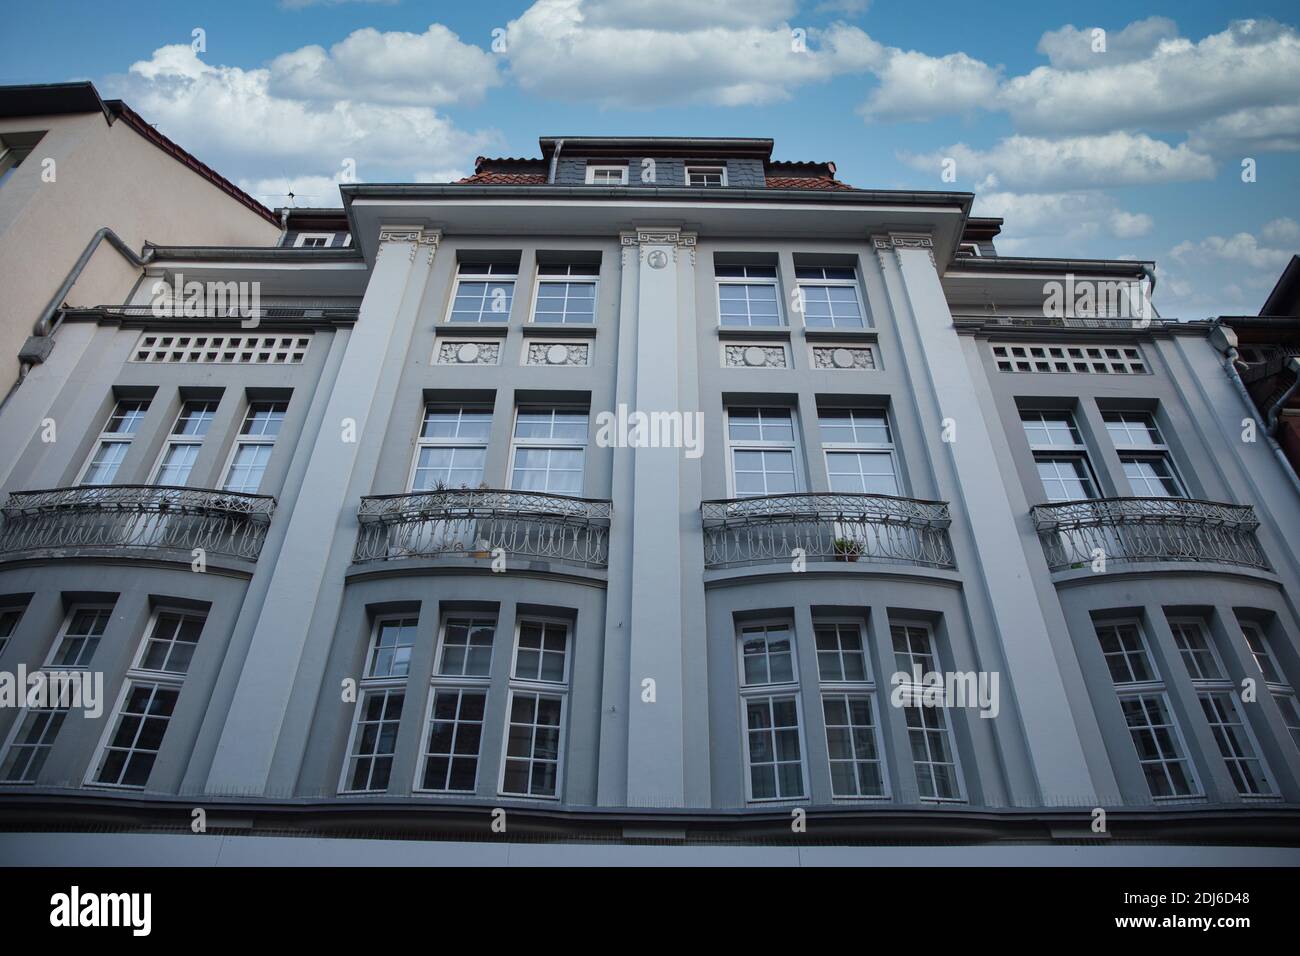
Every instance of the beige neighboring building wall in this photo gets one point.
(104, 174)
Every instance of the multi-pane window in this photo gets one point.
(549, 448)
(606, 175)
(536, 715)
(452, 447)
(566, 293)
(1143, 454)
(252, 449)
(1198, 655)
(706, 176)
(747, 295)
(390, 647)
(1060, 455)
(137, 735)
(929, 731)
(762, 451)
(9, 618)
(484, 292)
(113, 442)
(182, 448)
(773, 744)
(1274, 679)
(169, 646)
(81, 634)
(829, 297)
(30, 744)
(374, 740)
(849, 710)
(859, 451)
(458, 700)
(1161, 752)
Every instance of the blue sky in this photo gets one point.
(1130, 151)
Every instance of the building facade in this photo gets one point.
(645, 491)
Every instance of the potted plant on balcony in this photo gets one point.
(846, 549)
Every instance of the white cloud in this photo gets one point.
(1033, 219)
(1032, 164)
(563, 49)
(914, 86)
(1280, 231)
(1070, 48)
(850, 8)
(1265, 129)
(1242, 248)
(685, 14)
(433, 68)
(1130, 225)
(260, 134)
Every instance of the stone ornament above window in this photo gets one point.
(558, 353)
(469, 353)
(844, 357)
(756, 356)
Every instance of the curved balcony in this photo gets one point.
(741, 532)
(1136, 530)
(478, 522)
(104, 519)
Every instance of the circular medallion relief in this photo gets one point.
(467, 353)
(842, 358)
(754, 356)
(557, 355)
(657, 259)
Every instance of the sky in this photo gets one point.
(1149, 130)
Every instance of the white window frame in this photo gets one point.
(453, 442)
(206, 407)
(137, 662)
(301, 241)
(365, 689)
(17, 610)
(950, 732)
(705, 168)
(158, 682)
(242, 439)
(11, 740)
(848, 688)
(1157, 450)
(539, 688)
(372, 646)
(107, 437)
(1075, 451)
(594, 168)
(461, 683)
(855, 284)
(769, 692)
(1181, 625)
(747, 280)
(861, 447)
(760, 444)
(50, 663)
(553, 444)
(490, 277)
(591, 277)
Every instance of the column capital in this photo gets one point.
(674, 236)
(416, 236)
(893, 241)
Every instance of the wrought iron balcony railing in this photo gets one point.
(1135, 530)
(740, 532)
(108, 518)
(480, 521)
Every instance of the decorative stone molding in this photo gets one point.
(844, 357)
(895, 240)
(675, 238)
(468, 353)
(416, 236)
(755, 356)
(558, 353)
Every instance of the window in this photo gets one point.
(1283, 693)
(773, 746)
(548, 451)
(252, 449)
(183, 444)
(928, 730)
(113, 442)
(82, 630)
(1198, 655)
(767, 655)
(762, 451)
(390, 647)
(452, 743)
(606, 175)
(313, 240)
(859, 451)
(829, 297)
(849, 709)
(1161, 753)
(1069, 359)
(566, 294)
(137, 736)
(452, 447)
(1143, 454)
(747, 295)
(171, 641)
(535, 728)
(14, 149)
(30, 744)
(374, 741)
(1060, 455)
(484, 292)
(9, 618)
(706, 175)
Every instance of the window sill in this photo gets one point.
(560, 330)
(473, 328)
(754, 332)
(841, 335)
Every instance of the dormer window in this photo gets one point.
(606, 175)
(706, 175)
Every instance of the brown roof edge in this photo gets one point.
(133, 119)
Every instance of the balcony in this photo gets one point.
(478, 522)
(1137, 530)
(880, 529)
(108, 519)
